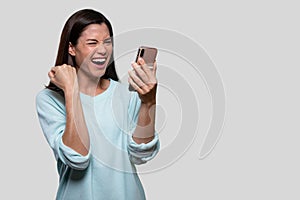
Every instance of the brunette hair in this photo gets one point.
(72, 30)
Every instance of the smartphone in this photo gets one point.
(148, 54)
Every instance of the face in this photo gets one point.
(93, 50)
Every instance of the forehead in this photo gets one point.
(99, 31)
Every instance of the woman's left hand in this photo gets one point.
(143, 80)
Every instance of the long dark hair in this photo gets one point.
(72, 30)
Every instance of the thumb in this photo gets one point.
(154, 67)
(51, 73)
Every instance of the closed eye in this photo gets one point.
(92, 42)
(107, 41)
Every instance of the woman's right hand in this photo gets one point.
(63, 76)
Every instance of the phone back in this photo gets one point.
(148, 54)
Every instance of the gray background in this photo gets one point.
(255, 46)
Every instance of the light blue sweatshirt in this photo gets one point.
(108, 171)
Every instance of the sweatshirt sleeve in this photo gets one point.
(52, 117)
(139, 153)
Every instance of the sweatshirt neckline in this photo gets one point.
(103, 95)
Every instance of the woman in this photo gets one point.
(97, 129)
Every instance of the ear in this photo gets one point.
(71, 49)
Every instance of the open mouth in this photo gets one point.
(99, 61)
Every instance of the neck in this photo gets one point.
(90, 86)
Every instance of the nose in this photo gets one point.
(101, 49)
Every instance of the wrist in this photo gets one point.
(71, 89)
(148, 104)
(71, 92)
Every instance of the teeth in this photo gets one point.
(99, 59)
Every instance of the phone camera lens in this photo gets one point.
(142, 52)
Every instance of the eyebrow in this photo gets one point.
(109, 38)
(95, 40)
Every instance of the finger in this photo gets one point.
(140, 61)
(140, 72)
(51, 73)
(136, 79)
(54, 69)
(150, 72)
(60, 68)
(63, 66)
(134, 85)
(144, 66)
(154, 67)
(152, 77)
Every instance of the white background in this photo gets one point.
(255, 46)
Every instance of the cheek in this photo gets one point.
(78, 60)
(110, 50)
(82, 57)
